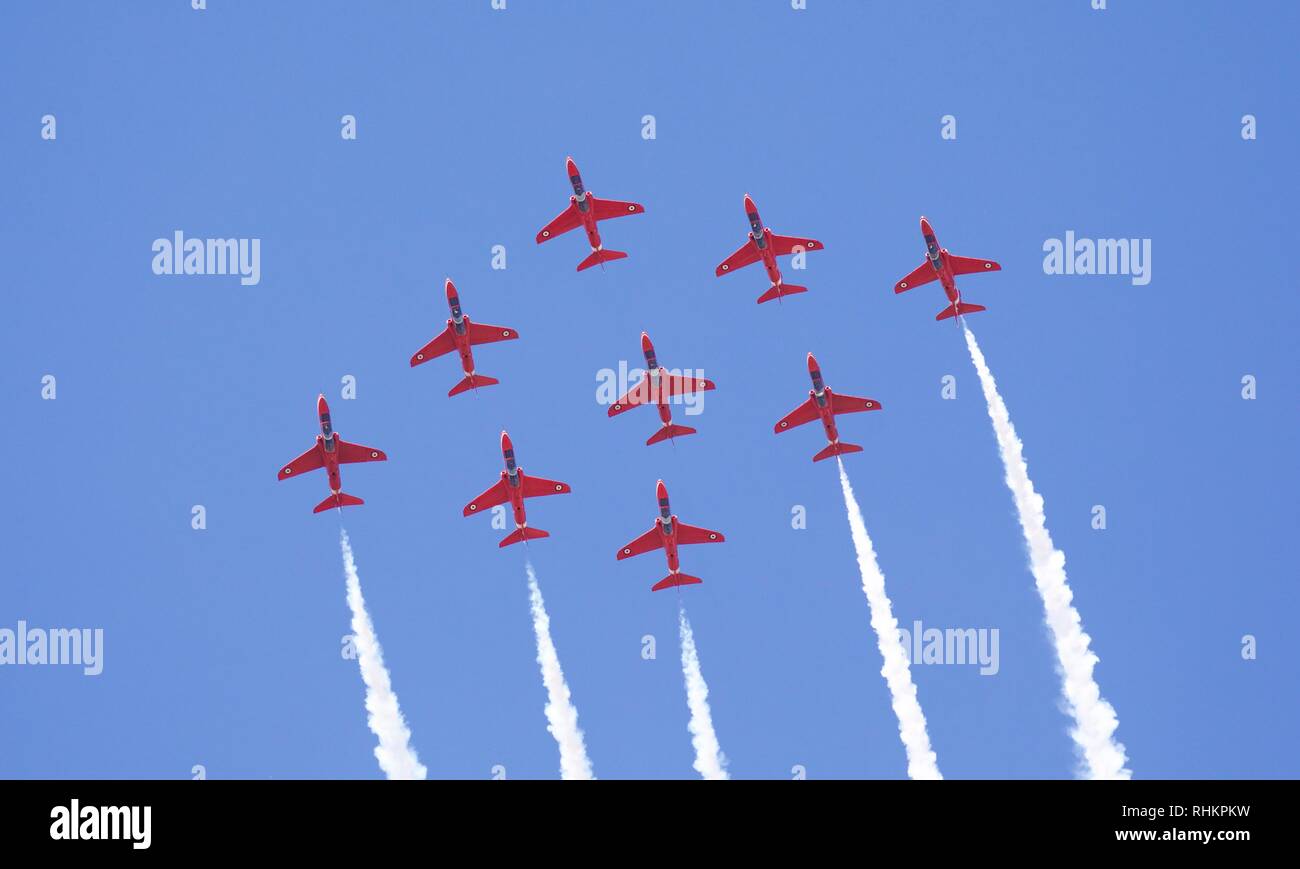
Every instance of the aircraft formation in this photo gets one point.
(657, 386)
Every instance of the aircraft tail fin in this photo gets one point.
(837, 449)
(959, 308)
(675, 579)
(341, 499)
(601, 256)
(472, 381)
(672, 430)
(775, 292)
(524, 533)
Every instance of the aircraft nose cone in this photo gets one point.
(505, 442)
(812, 362)
(749, 204)
(661, 491)
(645, 343)
(321, 406)
(571, 166)
(926, 229)
(451, 289)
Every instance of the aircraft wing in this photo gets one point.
(964, 265)
(569, 219)
(678, 384)
(806, 412)
(483, 333)
(923, 274)
(647, 542)
(635, 397)
(308, 461)
(609, 208)
(349, 453)
(851, 403)
(691, 534)
(747, 255)
(535, 487)
(444, 343)
(497, 493)
(669, 385)
(787, 244)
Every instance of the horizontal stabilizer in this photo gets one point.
(775, 292)
(342, 499)
(600, 256)
(472, 381)
(959, 308)
(675, 579)
(837, 449)
(672, 430)
(524, 533)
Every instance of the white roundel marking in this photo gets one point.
(618, 407)
(545, 233)
(288, 470)
(419, 355)
(374, 455)
(784, 424)
(627, 551)
(725, 267)
(903, 284)
(559, 487)
(713, 537)
(631, 208)
(505, 333)
(473, 507)
(988, 265)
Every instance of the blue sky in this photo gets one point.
(221, 646)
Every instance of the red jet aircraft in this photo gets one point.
(667, 534)
(514, 486)
(460, 335)
(824, 403)
(941, 264)
(658, 387)
(329, 452)
(765, 245)
(586, 210)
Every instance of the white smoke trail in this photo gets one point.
(922, 762)
(561, 714)
(710, 762)
(396, 756)
(1094, 719)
